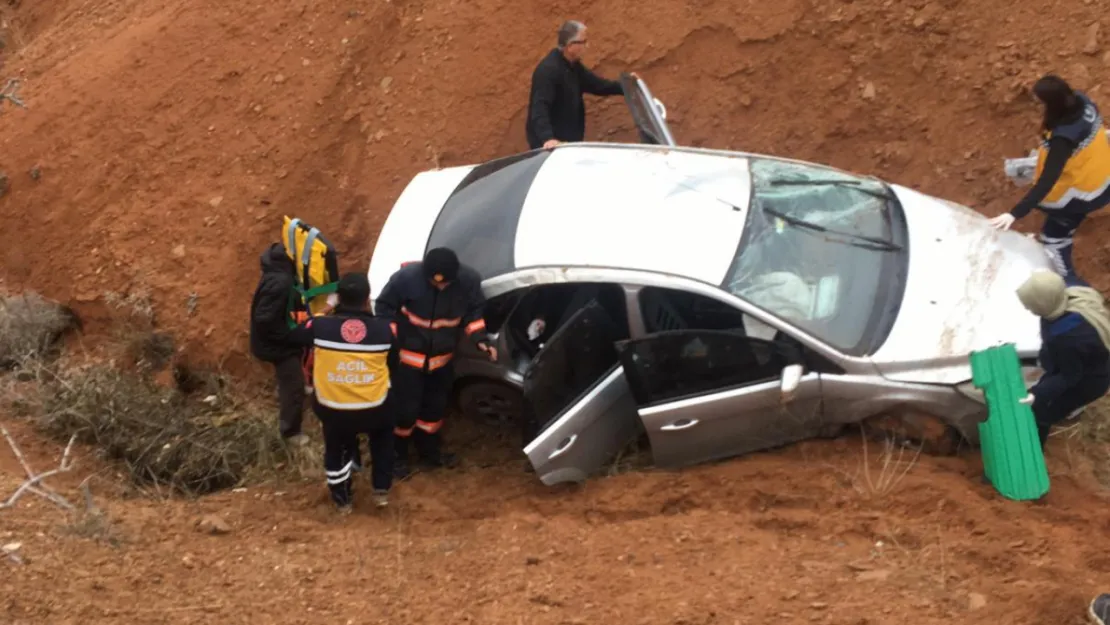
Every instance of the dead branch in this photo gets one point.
(33, 483)
(9, 93)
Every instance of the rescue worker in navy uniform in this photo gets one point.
(1073, 169)
(271, 338)
(1075, 347)
(433, 303)
(351, 389)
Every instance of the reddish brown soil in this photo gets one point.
(158, 124)
(797, 535)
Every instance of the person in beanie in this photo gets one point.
(271, 338)
(1075, 347)
(432, 303)
(351, 389)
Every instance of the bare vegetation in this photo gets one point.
(30, 328)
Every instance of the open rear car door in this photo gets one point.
(576, 400)
(648, 113)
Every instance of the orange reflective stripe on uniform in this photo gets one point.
(402, 432)
(475, 326)
(429, 427)
(421, 322)
(393, 328)
(417, 360)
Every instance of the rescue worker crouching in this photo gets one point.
(351, 395)
(1075, 348)
(1073, 169)
(432, 303)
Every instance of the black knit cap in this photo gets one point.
(353, 289)
(441, 265)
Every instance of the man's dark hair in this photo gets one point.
(353, 290)
(568, 31)
(443, 262)
(1061, 104)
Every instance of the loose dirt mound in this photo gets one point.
(170, 137)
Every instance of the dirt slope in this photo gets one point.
(172, 136)
(797, 536)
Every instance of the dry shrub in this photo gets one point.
(164, 437)
(30, 327)
(134, 329)
(1093, 431)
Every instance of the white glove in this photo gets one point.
(1027, 400)
(535, 329)
(1002, 222)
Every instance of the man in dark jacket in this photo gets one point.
(556, 111)
(431, 304)
(272, 341)
(351, 390)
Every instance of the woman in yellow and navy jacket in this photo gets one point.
(351, 389)
(1073, 169)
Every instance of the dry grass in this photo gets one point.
(1093, 435)
(30, 328)
(879, 475)
(165, 438)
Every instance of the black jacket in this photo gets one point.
(555, 107)
(271, 338)
(429, 322)
(1072, 356)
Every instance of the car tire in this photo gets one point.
(491, 403)
(932, 434)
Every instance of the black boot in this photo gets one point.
(401, 458)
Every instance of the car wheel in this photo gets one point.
(490, 402)
(932, 434)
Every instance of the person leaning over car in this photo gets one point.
(1075, 347)
(1073, 169)
(556, 111)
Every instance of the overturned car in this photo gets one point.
(724, 302)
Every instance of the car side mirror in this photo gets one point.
(790, 380)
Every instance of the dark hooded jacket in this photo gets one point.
(271, 336)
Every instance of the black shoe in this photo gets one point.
(401, 470)
(1100, 609)
(444, 460)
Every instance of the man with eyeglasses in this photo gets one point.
(556, 111)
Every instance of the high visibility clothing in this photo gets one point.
(350, 360)
(316, 266)
(428, 322)
(1085, 181)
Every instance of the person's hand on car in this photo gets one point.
(1002, 222)
(490, 351)
(550, 143)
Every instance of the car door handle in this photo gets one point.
(681, 424)
(563, 446)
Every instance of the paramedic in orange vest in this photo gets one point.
(1073, 169)
(433, 304)
(351, 389)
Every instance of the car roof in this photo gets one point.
(660, 210)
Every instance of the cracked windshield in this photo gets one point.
(817, 251)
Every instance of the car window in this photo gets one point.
(576, 358)
(672, 365)
(555, 304)
(498, 308)
(823, 250)
(672, 309)
(479, 219)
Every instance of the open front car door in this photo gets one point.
(648, 113)
(576, 401)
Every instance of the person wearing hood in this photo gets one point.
(271, 338)
(351, 385)
(1075, 347)
(1072, 173)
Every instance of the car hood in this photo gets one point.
(960, 293)
(404, 236)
